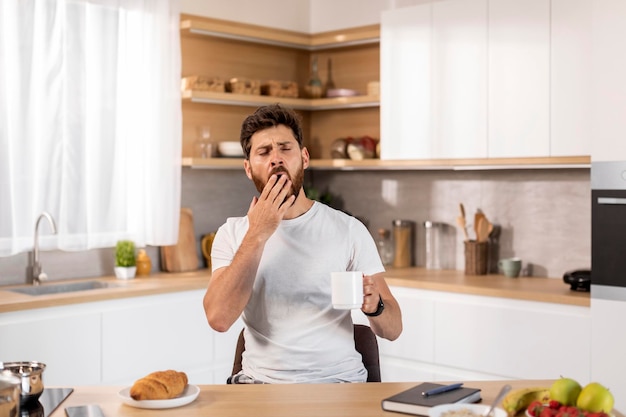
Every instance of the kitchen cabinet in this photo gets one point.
(156, 333)
(434, 74)
(449, 336)
(570, 77)
(66, 339)
(117, 341)
(459, 100)
(490, 80)
(609, 83)
(406, 131)
(519, 68)
(215, 48)
(608, 149)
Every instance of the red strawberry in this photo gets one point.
(554, 404)
(534, 409)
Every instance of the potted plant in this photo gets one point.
(125, 263)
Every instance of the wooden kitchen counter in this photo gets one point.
(315, 400)
(550, 290)
(159, 283)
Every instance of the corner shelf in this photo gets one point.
(193, 25)
(231, 99)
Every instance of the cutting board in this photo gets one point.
(182, 256)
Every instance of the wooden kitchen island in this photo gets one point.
(314, 400)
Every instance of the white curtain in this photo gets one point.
(90, 122)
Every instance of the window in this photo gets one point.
(90, 122)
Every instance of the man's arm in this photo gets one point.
(230, 287)
(388, 324)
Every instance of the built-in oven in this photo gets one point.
(608, 230)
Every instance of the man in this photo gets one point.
(273, 267)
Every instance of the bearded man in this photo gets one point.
(273, 267)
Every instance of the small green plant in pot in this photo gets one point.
(125, 261)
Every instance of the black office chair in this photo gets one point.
(364, 341)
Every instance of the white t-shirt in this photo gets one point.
(292, 332)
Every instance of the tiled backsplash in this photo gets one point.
(544, 215)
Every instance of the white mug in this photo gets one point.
(347, 289)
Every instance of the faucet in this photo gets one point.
(37, 274)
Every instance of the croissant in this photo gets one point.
(160, 385)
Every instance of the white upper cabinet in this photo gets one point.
(519, 68)
(489, 79)
(434, 78)
(459, 100)
(405, 76)
(570, 78)
(609, 81)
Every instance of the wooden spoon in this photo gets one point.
(482, 230)
(478, 218)
(460, 221)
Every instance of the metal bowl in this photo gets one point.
(30, 374)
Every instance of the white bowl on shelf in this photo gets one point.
(230, 149)
(341, 92)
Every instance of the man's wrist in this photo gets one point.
(379, 309)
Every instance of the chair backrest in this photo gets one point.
(364, 341)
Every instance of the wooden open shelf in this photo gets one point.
(194, 25)
(296, 103)
(568, 162)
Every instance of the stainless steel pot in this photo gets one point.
(9, 394)
(30, 374)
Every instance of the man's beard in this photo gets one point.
(296, 182)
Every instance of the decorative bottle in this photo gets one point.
(314, 86)
(144, 264)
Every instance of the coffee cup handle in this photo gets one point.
(500, 264)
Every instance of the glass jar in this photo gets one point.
(403, 243)
(385, 246)
(433, 244)
(202, 146)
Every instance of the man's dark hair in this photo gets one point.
(266, 117)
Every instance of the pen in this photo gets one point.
(440, 390)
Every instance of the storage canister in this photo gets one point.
(434, 241)
(403, 232)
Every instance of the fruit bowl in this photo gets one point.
(558, 410)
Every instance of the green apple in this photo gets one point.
(595, 398)
(565, 391)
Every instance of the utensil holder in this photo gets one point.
(476, 256)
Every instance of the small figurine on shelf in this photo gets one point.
(314, 88)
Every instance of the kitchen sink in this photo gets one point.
(47, 289)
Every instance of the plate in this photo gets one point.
(189, 394)
(478, 409)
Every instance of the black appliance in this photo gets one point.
(579, 280)
(608, 230)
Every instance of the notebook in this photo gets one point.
(413, 402)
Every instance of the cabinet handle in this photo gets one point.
(611, 200)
